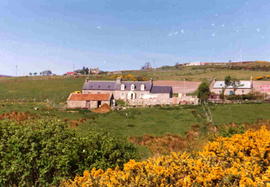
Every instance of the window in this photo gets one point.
(142, 95)
(132, 87)
(132, 96)
(123, 87)
(142, 87)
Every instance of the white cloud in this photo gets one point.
(174, 33)
(98, 27)
(258, 30)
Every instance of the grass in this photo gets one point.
(155, 121)
(51, 89)
(57, 88)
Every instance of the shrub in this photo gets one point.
(120, 102)
(230, 130)
(242, 160)
(242, 97)
(47, 152)
(203, 92)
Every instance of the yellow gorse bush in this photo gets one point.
(242, 160)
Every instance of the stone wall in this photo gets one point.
(85, 104)
(76, 104)
(228, 91)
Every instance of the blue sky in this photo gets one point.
(37, 35)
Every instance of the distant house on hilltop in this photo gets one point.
(195, 64)
(94, 71)
(70, 73)
(46, 73)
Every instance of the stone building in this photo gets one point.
(94, 71)
(242, 88)
(89, 101)
(132, 92)
(262, 87)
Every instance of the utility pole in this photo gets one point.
(16, 70)
(241, 56)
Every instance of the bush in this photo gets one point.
(242, 97)
(203, 92)
(230, 130)
(47, 152)
(242, 160)
(120, 102)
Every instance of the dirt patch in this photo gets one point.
(167, 143)
(75, 123)
(17, 116)
(105, 108)
(161, 144)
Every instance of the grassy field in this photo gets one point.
(52, 89)
(56, 89)
(152, 121)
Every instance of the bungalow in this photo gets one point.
(89, 101)
(242, 88)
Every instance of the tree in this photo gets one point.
(44, 153)
(147, 66)
(203, 92)
(233, 82)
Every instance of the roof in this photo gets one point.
(242, 85)
(161, 89)
(112, 85)
(137, 84)
(90, 97)
(261, 86)
(179, 86)
(70, 73)
(99, 85)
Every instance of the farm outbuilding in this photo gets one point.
(89, 101)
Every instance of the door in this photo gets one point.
(99, 104)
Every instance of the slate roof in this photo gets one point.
(137, 84)
(242, 85)
(99, 85)
(161, 89)
(112, 85)
(90, 97)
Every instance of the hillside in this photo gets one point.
(57, 88)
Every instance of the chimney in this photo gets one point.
(118, 80)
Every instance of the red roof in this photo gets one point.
(89, 97)
(70, 73)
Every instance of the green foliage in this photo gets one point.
(47, 152)
(203, 92)
(229, 81)
(120, 103)
(242, 97)
(230, 130)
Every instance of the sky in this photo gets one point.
(63, 35)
